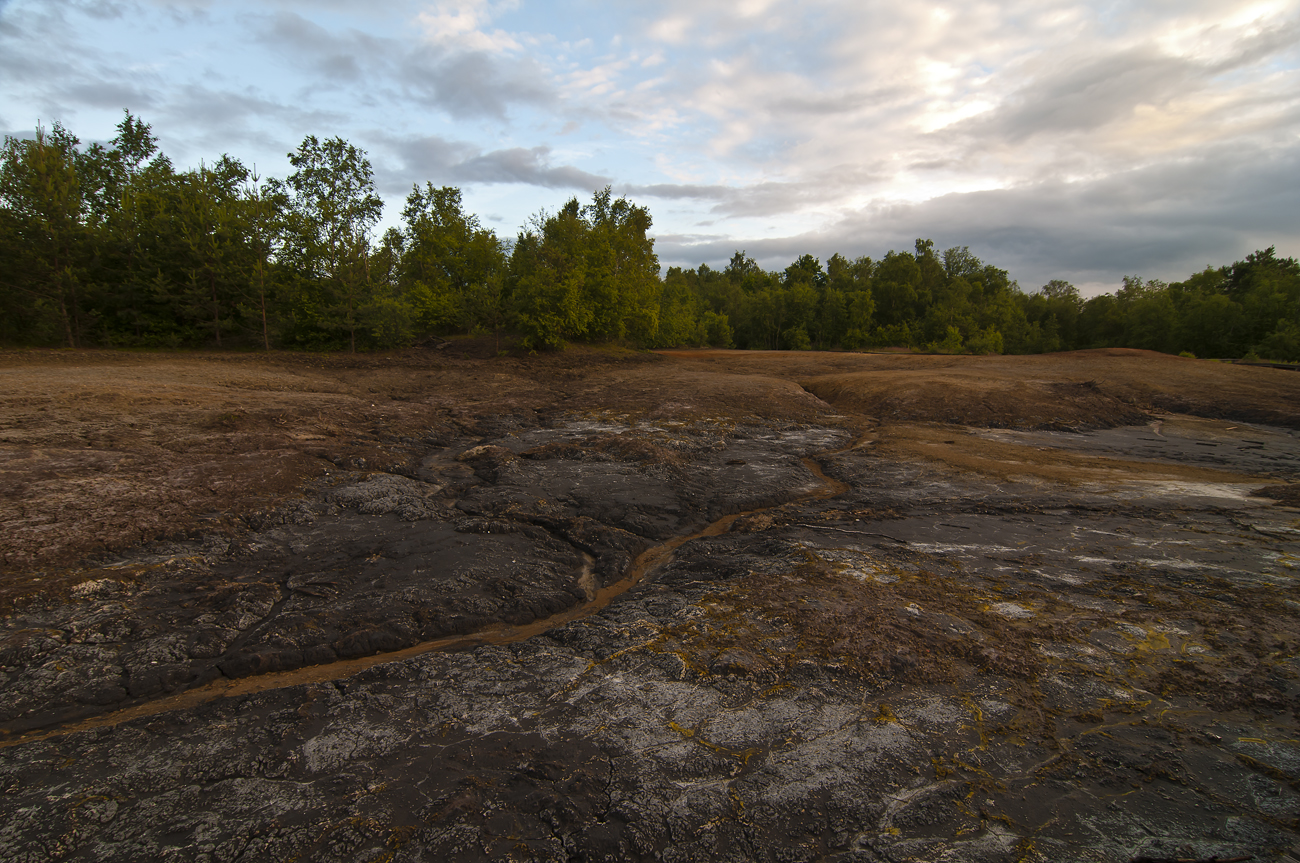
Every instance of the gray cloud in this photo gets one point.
(520, 165)
(439, 161)
(1091, 95)
(104, 9)
(35, 45)
(472, 84)
(337, 58)
(1166, 221)
(1084, 96)
(465, 84)
(231, 111)
(764, 198)
(109, 94)
(201, 6)
(833, 104)
(56, 73)
(679, 191)
(223, 121)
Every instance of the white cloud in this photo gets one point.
(461, 24)
(672, 29)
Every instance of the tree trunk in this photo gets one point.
(67, 324)
(261, 293)
(216, 307)
(352, 326)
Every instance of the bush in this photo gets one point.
(1283, 343)
(986, 341)
(951, 343)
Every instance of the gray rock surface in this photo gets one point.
(921, 666)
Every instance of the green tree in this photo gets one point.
(1210, 326)
(208, 217)
(998, 310)
(717, 291)
(959, 262)
(1283, 343)
(622, 274)
(548, 270)
(832, 319)
(933, 279)
(1101, 323)
(894, 289)
(951, 343)
(42, 192)
(1150, 317)
(679, 314)
(332, 211)
(263, 207)
(853, 280)
(106, 173)
(861, 318)
(715, 330)
(450, 262)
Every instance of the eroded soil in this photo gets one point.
(607, 606)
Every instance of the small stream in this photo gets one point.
(597, 599)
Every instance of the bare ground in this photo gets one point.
(700, 604)
(103, 450)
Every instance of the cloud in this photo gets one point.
(109, 94)
(1078, 95)
(337, 57)
(1058, 137)
(197, 122)
(460, 24)
(530, 166)
(763, 198)
(1091, 94)
(693, 191)
(440, 161)
(1164, 221)
(472, 84)
(229, 111)
(450, 75)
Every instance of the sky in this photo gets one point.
(1057, 139)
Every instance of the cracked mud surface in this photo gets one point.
(611, 607)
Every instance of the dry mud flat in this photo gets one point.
(964, 616)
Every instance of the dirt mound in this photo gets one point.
(1079, 389)
(101, 450)
(970, 398)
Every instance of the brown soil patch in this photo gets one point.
(966, 451)
(1098, 388)
(101, 450)
(1090, 389)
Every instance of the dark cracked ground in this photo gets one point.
(997, 610)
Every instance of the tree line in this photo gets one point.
(111, 245)
(954, 303)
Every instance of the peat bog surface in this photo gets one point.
(603, 605)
